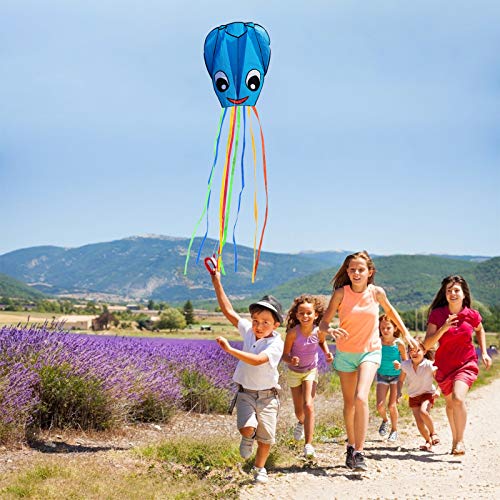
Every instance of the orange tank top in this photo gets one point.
(358, 314)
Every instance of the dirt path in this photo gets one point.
(400, 470)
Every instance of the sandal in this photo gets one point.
(426, 447)
(459, 449)
(435, 439)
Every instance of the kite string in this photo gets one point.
(224, 187)
(231, 175)
(208, 195)
(241, 192)
(255, 204)
(264, 169)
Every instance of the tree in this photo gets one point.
(171, 319)
(188, 312)
(102, 322)
(151, 305)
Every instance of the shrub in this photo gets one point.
(71, 400)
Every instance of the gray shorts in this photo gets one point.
(258, 409)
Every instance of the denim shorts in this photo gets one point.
(387, 379)
(350, 361)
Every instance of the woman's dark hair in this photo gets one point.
(440, 298)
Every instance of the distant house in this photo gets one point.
(77, 322)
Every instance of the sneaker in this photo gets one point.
(384, 427)
(309, 451)
(260, 474)
(298, 432)
(393, 436)
(359, 461)
(349, 459)
(246, 447)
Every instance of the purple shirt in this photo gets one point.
(306, 349)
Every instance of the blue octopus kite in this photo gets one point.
(237, 58)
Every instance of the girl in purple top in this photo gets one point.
(301, 355)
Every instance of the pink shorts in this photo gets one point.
(466, 373)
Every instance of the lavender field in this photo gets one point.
(51, 378)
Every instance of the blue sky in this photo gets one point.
(381, 122)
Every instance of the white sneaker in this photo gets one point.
(246, 447)
(260, 474)
(298, 432)
(309, 451)
(393, 436)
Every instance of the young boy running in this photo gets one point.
(256, 373)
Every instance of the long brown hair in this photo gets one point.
(341, 279)
(440, 298)
(317, 302)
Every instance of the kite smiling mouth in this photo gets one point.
(238, 101)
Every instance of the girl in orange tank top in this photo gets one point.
(358, 354)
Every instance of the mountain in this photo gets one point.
(147, 267)
(139, 268)
(409, 280)
(11, 288)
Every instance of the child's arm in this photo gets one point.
(289, 340)
(224, 303)
(394, 316)
(401, 380)
(326, 351)
(246, 357)
(324, 325)
(481, 340)
(402, 351)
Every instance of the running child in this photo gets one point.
(358, 351)
(256, 373)
(301, 355)
(418, 372)
(451, 323)
(393, 350)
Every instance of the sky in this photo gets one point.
(381, 122)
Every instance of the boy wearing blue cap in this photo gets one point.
(256, 373)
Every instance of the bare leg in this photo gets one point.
(262, 454)
(248, 432)
(348, 382)
(308, 394)
(393, 406)
(381, 397)
(426, 416)
(460, 390)
(451, 420)
(298, 403)
(366, 372)
(422, 428)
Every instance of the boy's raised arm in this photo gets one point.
(224, 303)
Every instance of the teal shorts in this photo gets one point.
(350, 361)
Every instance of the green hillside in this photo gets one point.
(11, 288)
(411, 281)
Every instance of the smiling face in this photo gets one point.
(455, 295)
(387, 330)
(237, 57)
(306, 314)
(263, 324)
(417, 354)
(359, 273)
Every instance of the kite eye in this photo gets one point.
(221, 81)
(253, 80)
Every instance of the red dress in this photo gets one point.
(456, 357)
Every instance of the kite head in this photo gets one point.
(237, 57)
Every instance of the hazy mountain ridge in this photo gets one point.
(151, 266)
